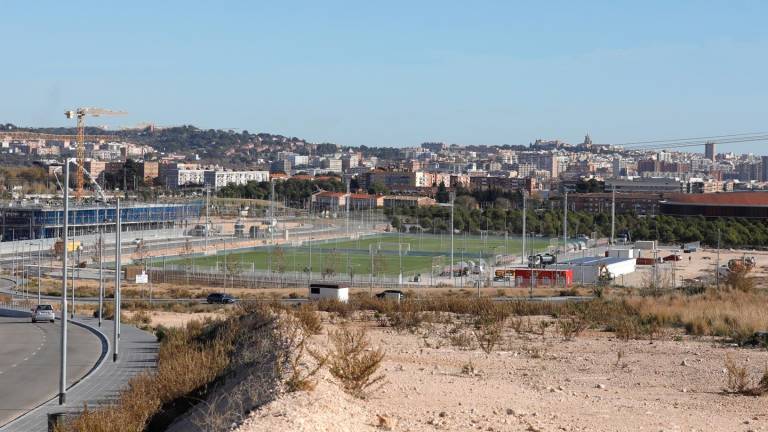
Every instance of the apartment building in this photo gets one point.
(219, 179)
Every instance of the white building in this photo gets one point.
(332, 165)
(590, 270)
(219, 179)
(177, 177)
(298, 160)
(319, 291)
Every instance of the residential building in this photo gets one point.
(365, 201)
(392, 201)
(331, 164)
(709, 151)
(332, 201)
(645, 184)
(219, 179)
(640, 203)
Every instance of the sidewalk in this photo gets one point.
(138, 353)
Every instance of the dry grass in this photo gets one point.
(571, 327)
(308, 319)
(733, 314)
(299, 374)
(189, 359)
(353, 362)
(738, 380)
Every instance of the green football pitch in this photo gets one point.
(380, 252)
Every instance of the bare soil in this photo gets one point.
(533, 383)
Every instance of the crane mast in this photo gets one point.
(80, 114)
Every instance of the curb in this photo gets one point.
(105, 347)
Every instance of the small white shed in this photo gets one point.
(319, 291)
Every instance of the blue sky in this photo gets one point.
(396, 73)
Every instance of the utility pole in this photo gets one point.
(118, 267)
(101, 271)
(346, 205)
(565, 224)
(63, 363)
(613, 213)
(207, 216)
(525, 215)
(717, 262)
(39, 272)
(453, 203)
(72, 312)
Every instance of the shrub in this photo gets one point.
(571, 327)
(300, 375)
(309, 320)
(738, 382)
(189, 360)
(353, 363)
(488, 336)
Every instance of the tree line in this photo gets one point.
(294, 191)
(734, 232)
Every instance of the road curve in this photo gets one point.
(29, 361)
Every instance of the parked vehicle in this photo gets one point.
(673, 257)
(504, 275)
(220, 298)
(43, 312)
(391, 294)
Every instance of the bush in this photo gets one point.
(309, 320)
(189, 360)
(489, 335)
(353, 362)
(571, 327)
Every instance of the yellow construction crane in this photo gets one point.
(80, 114)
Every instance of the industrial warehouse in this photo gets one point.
(752, 205)
(31, 222)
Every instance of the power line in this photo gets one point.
(683, 144)
(674, 140)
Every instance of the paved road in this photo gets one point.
(29, 356)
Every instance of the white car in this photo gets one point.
(43, 313)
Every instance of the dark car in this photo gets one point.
(393, 294)
(220, 298)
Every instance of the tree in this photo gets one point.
(379, 263)
(140, 253)
(331, 263)
(278, 261)
(442, 196)
(378, 188)
(233, 268)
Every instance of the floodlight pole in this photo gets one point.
(116, 329)
(207, 215)
(63, 353)
(565, 225)
(39, 263)
(101, 269)
(613, 213)
(525, 216)
(453, 199)
(717, 264)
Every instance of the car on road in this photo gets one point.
(43, 312)
(220, 298)
(391, 294)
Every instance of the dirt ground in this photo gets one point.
(533, 383)
(176, 319)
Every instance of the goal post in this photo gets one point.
(402, 248)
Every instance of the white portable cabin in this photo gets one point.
(620, 253)
(319, 291)
(588, 270)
